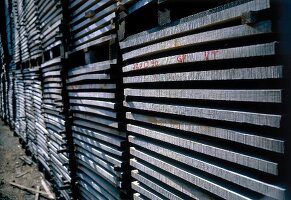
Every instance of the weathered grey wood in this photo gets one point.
(96, 144)
(91, 86)
(95, 67)
(201, 38)
(256, 73)
(78, 6)
(97, 187)
(229, 155)
(46, 188)
(87, 77)
(194, 179)
(246, 138)
(93, 123)
(107, 10)
(51, 73)
(264, 96)
(93, 103)
(54, 61)
(97, 163)
(89, 192)
(157, 188)
(149, 194)
(98, 180)
(98, 153)
(105, 95)
(52, 91)
(137, 196)
(211, 55)
(221, 172)
(52, 85)
(95, 26)
(58, 119)
(261, 119)
(100, 136)
(31, 190)
(98, 111)
(53, 96)
(55, 67)
(205, 19)
(95, 35)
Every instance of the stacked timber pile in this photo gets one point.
(99, 142)
(11, 94)
(22, 31)
(91, 23)
(2, 79)
(50, 19)
(40, 128)
(20, 123)
(95, 96)
(4, 69)
(33, 29)
(16, 44)
(29, 76)
(203, 100)
(56, 125)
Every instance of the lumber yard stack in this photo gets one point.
(151, 99)
(204, 99)
(56, 125)
(94, 87)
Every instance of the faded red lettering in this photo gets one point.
(215, 52)
(207, 54)
(181, 58)
(145, 64)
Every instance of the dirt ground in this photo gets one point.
(11, 167)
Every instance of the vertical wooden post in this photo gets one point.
(285, 30)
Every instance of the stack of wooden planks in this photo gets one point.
(203, 102)
(91, 22)
(56, 125)
(20, 123)
(29, 76)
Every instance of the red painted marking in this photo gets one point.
(215, 52)
(145, 64)
(207, 54)
(181, 58)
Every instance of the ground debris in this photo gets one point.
(12, 169)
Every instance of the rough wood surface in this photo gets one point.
(243, 137)
(205, 19)
(207, 149)
(256, 73)
(261, 119)
(221, 172)
(201, 38)
(264, 96)
(203, 56)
